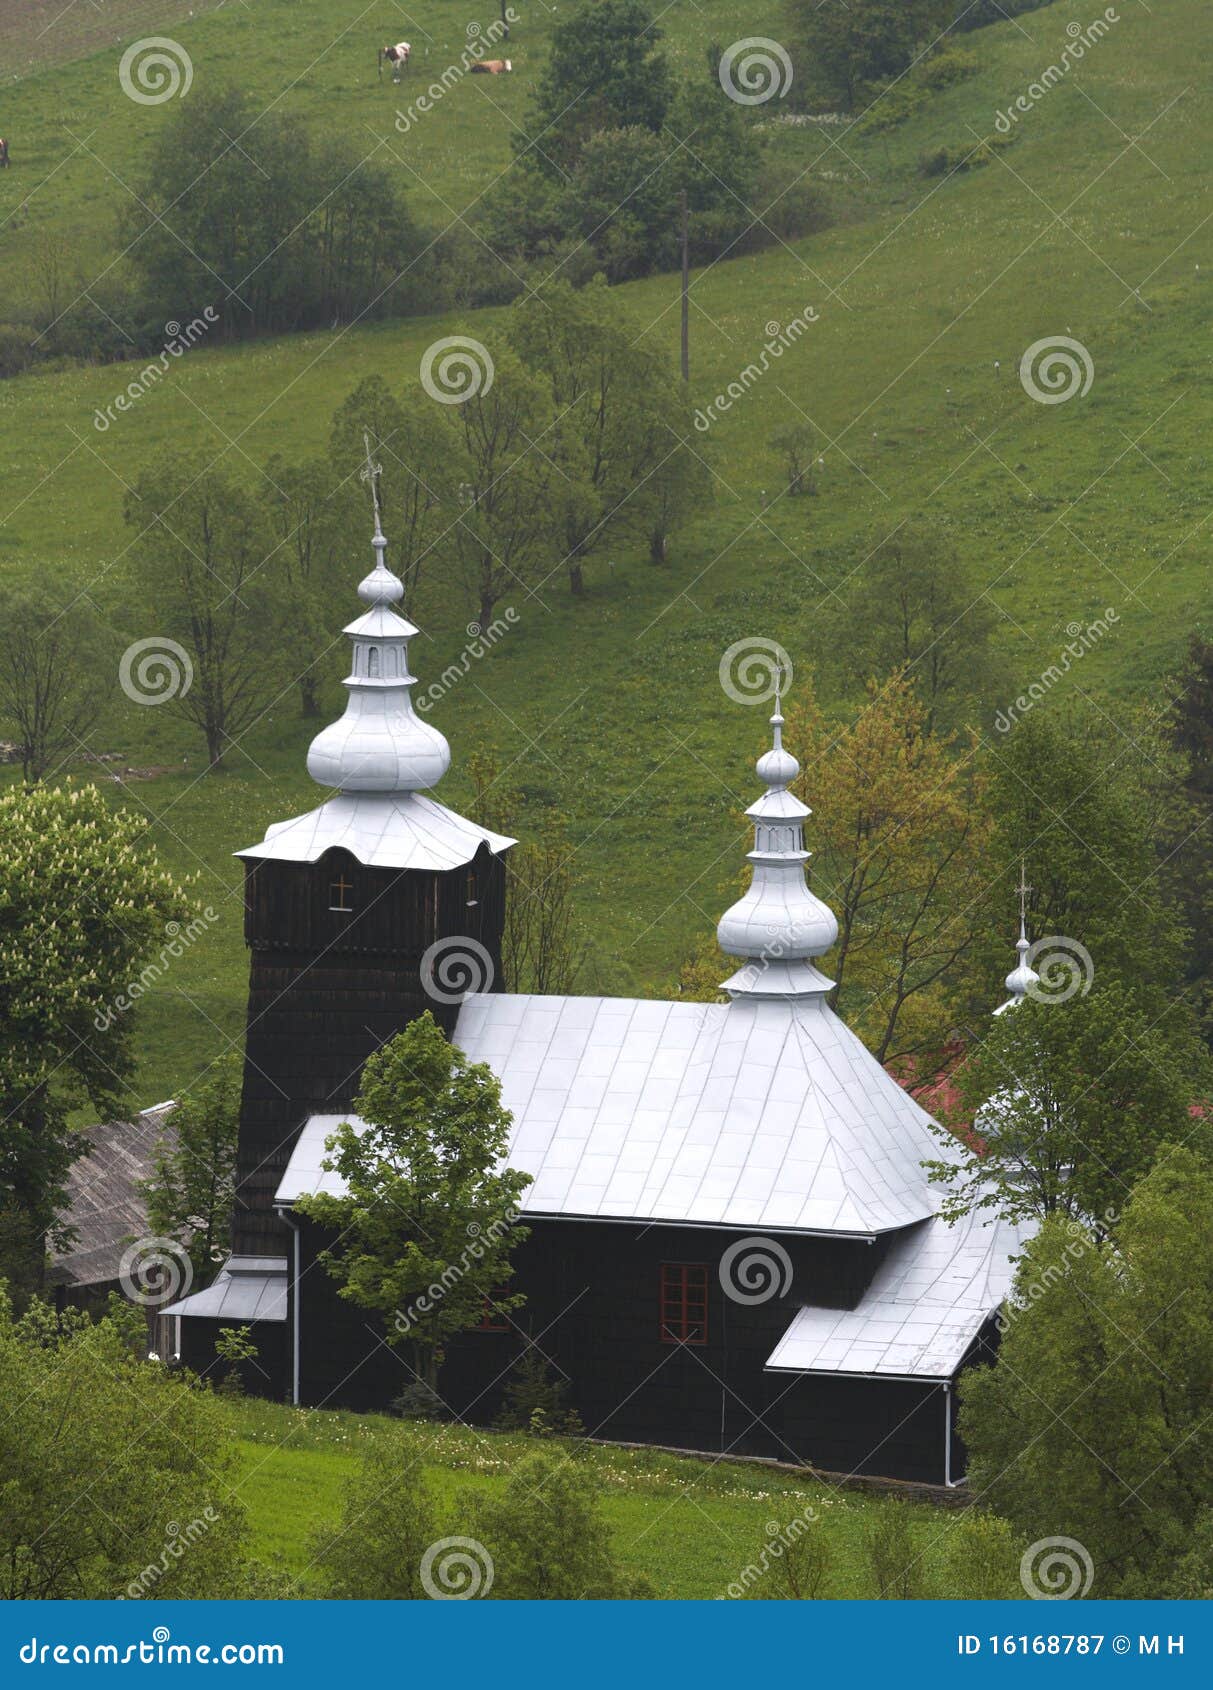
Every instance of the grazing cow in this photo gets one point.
(492, 67)
(3, 153)
(397, 57)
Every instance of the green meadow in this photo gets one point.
(1095, 222)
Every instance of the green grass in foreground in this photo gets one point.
(689, 1526)
(609, 712)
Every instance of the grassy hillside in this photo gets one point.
(1095, 223)
(690, 1526)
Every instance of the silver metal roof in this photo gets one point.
(759, 1113)
(927, 1302)
(381, 829)
(247, 1288)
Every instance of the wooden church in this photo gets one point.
(733, 1244)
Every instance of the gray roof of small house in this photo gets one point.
(926, 1304)
(104, 1203)
(246, 1288)
(759, 1114)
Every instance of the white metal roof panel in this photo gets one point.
(247, 1288)
(381, 829)
(927, 1302)
(759, 1112)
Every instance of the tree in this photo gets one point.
(604, 71)
(1082, 804)
(546, 1536)
(901, 843)
(115, 1480)
(86, 915)
(611, 401)
(311, 519)
(388, 1521)
(864, 41)
(410, 448)
(50, 674)
(429, 1223)
(796, 445)
(542, 949)
(1093, 1423)
(917, 604)
(505, 486)
(1069, 1101)
(245, 211)
(191, 1193)
(620, 201)
(202, 565)
(1187, 845)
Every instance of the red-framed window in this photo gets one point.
(492, 1317)
(684, 1303)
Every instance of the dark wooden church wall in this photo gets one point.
(327, 988)
(593, 1306)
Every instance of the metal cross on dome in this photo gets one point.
(370, 472)
(1023, 889)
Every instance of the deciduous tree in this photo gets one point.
(428, 1223)
(192, 1189)
(50, 674)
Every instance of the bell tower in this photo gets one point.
(360, 915)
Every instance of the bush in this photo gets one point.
(536, 1400)
(387, 1523)
(894, 1564)
(981, 1555)
(16, 354)
(114, 1479)
(547, 1538)
(420, 1401)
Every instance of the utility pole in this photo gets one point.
(686, 274)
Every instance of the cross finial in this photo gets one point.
(1023, 889)
(371, 472)
(777, 718)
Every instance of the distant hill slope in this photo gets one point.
(1094, 223)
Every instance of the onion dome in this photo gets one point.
(778, 925)
(1023, 976)
(380, 744)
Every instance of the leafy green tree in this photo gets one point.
(1188, 842)
(893, 1558)
(1093, 1424)
(114, 1480)
(917, 603)
(1082, 805)
(1069, 1102)
(203, 567)
(388, 1521)
(980, 1559)
(547, 1537)
(613, 404)
(192, 1189)
(844, 47)
(604, 71)
(311, 521)
(428, 1223)
(410, 447)
(245, 211)
(620, 201)
(796, 445)
(505, 486)
(50, 673)
(84, 904)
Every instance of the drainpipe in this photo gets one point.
(949, 1481)
(285, 1215)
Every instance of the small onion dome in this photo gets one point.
(778, 925)
(380, 744)
(1022, 978)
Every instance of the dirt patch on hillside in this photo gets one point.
(35, 33)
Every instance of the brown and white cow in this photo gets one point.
(3, 153)
(492, 67)
(397, 57)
